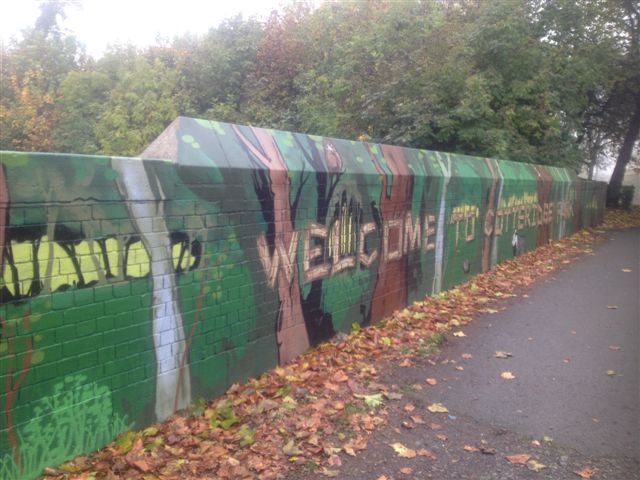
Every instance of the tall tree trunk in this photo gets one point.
(390, 292)
(173, 387)
(291, 333)
(630, 138)
(439, 253)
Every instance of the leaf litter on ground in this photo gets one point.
(298, 414)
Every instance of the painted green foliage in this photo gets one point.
(131, 286)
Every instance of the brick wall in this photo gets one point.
(131, 287)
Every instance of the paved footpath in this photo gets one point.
(575, 342)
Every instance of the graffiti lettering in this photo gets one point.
(328, 251)
(283, 258)
(41, 265)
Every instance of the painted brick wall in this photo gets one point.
(130, 287)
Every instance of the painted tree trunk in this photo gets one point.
(544, 181)
(173, 388)
(488, 229)
(4, 215)
(390, 291)
(439, 253)
(494, 243)
(318, 322)
(577, 213)
(291, 333)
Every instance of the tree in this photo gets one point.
(278, 247)
(140, 106)
(32, 72)
(214, 70)
(83, 99)
(390, 291)
(146, 203)
(623, 104)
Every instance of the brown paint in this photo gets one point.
(390, 291)
(291, 334)
(543, 185)
(488, 233)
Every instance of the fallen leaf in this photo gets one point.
(329, 473)
(586, 472)
(405, 363)
(423, 452)
(403, 451)
(393, 395)
(470, 448)
(406, 470)
(432, 381)
(291, 449)
(467, 356)
(488, 450)
(334, 461)
(626, 270)
(409, 408)
(611, 373)
(566, 360)
(547, 439)
(536, 443)
(375, 400)
(435, 426)
(502, 354)
(535, 465)
(142, 465)
(507, 375)
(382, 477)
(458, 367)
(612, 307)
(340, 377)
(518, 459)
(615, 348)
(417, 419)
(442, 438)
(330, 450)
(459, 333)
(437, 408)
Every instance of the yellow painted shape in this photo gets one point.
(87, 260)
(23, 261)
(137, 260)
(111, 245)
(175, 254)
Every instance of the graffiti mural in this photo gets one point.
(130, 286)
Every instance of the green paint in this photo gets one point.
(84, 323)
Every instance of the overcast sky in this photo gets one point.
(98, 23)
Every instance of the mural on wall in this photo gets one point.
(130, 286)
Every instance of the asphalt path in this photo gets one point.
(565, 336)
(573, 406)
